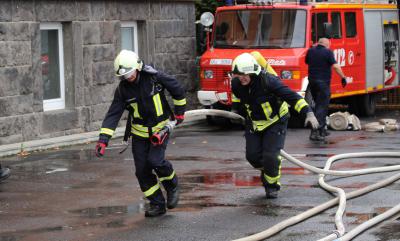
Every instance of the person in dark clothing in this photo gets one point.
(320, 60)
(141, 91)
(4, 173)
(265, 100)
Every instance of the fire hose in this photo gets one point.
(339, 234)
(160, 136)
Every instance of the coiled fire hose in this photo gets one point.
(339, 234)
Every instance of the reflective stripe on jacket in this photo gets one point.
(265, 103)
(146, 102)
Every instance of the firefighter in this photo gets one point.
(320, 60)
(264, 99)
(4, 173)
(141, 91)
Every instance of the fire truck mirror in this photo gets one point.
(328, 30)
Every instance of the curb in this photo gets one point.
(69, 140)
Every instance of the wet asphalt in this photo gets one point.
(70, 194)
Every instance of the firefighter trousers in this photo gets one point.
(263, 151)
(321, 93)
(152, 169)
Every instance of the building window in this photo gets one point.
(52, 59)
(129, 39)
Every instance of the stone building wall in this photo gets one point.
(91, 40)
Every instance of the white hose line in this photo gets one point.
(318, 209)
(345, 156)
(336, 173)
(214, 112)
(342, 196)
(370, 223)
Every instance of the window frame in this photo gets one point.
(57, 103)
(134, 25)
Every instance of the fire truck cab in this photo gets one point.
(364, 39)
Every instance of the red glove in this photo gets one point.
(179, 119)
(100, 149)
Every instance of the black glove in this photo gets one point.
(344, 82)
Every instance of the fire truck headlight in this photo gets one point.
(208, 74)
(289, 74)
(286, 74)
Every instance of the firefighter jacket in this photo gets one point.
(146, 102)
(265, 100)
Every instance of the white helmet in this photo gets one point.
(126, 62)
(245, 64)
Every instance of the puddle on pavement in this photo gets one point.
(390, 231)
(360, 218)
(11, 236)
(105, 211)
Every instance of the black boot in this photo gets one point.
(271, 193)
(315, 136)
(4, 173)
(324, 132)
(155, 210)
(173, 198)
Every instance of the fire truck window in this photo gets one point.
(350, 21)
(269, 28)
(336, 25)
(317, 26)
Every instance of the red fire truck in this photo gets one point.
(364, 38)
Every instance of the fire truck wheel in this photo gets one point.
(368, 105)
(364, 105)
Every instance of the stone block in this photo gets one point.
(30, 128)
(20, 32)
(98, 112)
(108, 32)
(100, 53)
(133, 10)
(5, 11)
(61, 11)
(4, 31)
(19, 53)
(10, 126)
(91, 33)
(16, 105)
(9, 84)
(111, 13)
(169, 29)
(83, 11)
(103, 72)
(101, 93)
(84, 117)
(60, 120)
(23, 11)
(4, 49)
(97, 11)
(25, 80)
